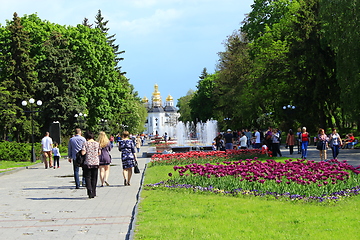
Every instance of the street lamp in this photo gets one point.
(80, 117)
(38, 103)
(289, 107)
(289, 112)
(103, 123)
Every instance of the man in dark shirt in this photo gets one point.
(228, 139)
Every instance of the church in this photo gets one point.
(161, 119)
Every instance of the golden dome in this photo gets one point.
(156, 94)
(169, 98)
(145, 100)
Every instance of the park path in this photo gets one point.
(38, 203)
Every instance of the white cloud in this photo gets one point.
(160, 20)
(150, 3)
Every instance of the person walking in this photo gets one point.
(56, 153)
(305, 141)
(46, 146)
(257, 139)
(298, 140)
(248, 135)
(228, 140)
(104, 158)
(275, 143)
(128, 156)
(322, 144)
(290, 141)
(138, 143)
(91, 150)
(74, 146)
(335, 143)
(243, 141)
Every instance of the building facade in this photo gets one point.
(162, 118)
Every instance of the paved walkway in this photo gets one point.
(38, 203)
(351, 155)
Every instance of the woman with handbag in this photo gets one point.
(322, 144)
(105, 158)
(128, 156)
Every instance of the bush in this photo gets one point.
(14, 151)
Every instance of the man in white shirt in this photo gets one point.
(46, 146)
(257, 139)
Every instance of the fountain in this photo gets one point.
(190, 137)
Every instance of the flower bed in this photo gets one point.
(203, 157)
(294, 179)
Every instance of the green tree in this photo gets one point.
(236, 101)
(19, 76)
(101, 24)
(58, 84)
(202, 102)
(341, 28)
(184, 108)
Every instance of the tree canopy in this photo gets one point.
(292, 63)
(71, 69)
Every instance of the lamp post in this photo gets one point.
(288, 112)
(80, 117)
(103, 123)
(38, 103)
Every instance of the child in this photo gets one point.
(264, 149)
(56, 154)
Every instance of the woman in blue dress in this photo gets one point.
(128, 156)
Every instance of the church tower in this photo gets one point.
(161, 119)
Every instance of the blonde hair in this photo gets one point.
(125, 134)
(103, 139)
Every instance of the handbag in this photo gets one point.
(320, 145)
(136, 168)
(80, 159)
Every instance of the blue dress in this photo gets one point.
(127, 149)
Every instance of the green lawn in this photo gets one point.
(11, 165)
(181, 214)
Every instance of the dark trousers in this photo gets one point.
(335, 151)
(56, 161)
(276, 150)
(91, 176)
(291, 148)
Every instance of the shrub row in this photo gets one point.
(14, 151)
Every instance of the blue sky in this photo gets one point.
(166, 42)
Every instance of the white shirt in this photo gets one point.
(257, 135)
(46, 143)
(243, 141)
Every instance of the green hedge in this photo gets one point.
(14, 151)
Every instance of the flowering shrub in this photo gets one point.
(294, 179)
(203, 157)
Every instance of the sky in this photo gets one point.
(166, 42)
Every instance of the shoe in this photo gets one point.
(107, 184)
(125, 183)
(54, 167)
(77, 187)
(101, 185)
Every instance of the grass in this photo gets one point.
(181, 214)
(6, 166)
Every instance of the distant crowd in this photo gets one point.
(271, 139)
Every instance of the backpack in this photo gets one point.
(80, 159)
